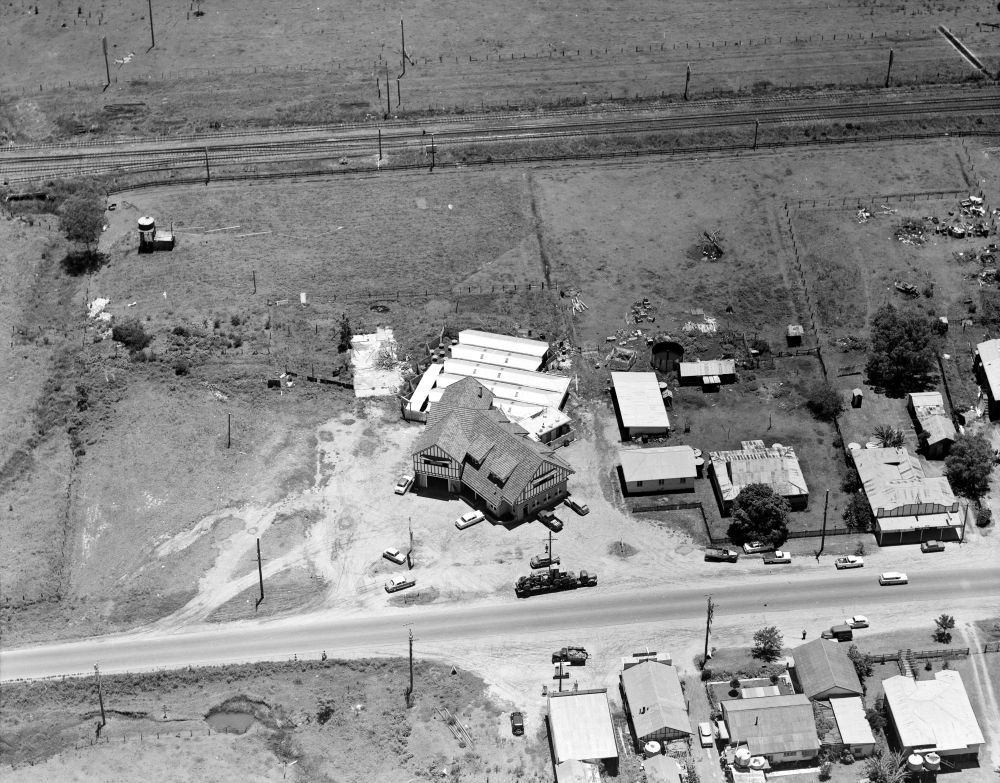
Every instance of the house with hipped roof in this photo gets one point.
(469, 448)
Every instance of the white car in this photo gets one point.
(892, 578)
(403, 485)
(705, 734)
(395, 556)
(398, 583)
(754, 547)
(469, 518)
(858, 621)
(851, 561)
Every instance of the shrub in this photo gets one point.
(706, 674)
(984, 516)
(181, 367)
(824, 401)
(180, 331)
(825, 770)
(131, 335)
(235, 320)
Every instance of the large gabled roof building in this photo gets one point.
(781, 728)
(823, 670)
(470, 448)
(655, 702)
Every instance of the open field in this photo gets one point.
(270, 66)
(328, 721)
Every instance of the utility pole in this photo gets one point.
(229, 430)
(107, 68)
(409, 552)
(388, 94)
(433, 152)
(409, 691)
(100, 699)
(687, 81)
(756, 130)
(560, 676)
(708, 629)
(152, 35)
(889, 69)
(822, 541)
(254, 271)
(380, 144)
(260, 577)
(208, 171)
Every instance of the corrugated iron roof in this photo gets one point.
(989, 355)
(822, 665)
(772, 724)
(892, 478)
(639, 400)
(655, 698)
(663, 462)
(852, 724)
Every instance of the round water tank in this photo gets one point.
(914, 762)
(742, 757)
(854, 446)
(932, 761)
(147, 224)
(666, 354)
(651, 748)
(758, 762)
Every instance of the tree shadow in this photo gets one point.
(83, 262)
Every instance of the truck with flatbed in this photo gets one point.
(574, 656)
(552, 581)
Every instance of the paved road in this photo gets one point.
(831, 596)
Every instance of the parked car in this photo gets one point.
(580, 508)
(713, 555)
(755, 547)
(858, 621)
(553, 523)
(931, 546)
(398, 583)
(395, 556)
(851, 561)
(544, 561)
(403, 485)
(777, 557)
(892, 578)
(546, 514)
(705, 734)
(517, 723)
(469, 518)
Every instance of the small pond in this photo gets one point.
(230, 722)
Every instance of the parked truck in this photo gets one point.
(574, 656)
(842, 633)
(552, 581)
(721, 555)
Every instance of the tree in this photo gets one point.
(82, 218)
(824, 401)
(969, 464)
(759, 514)
(945, 623)
(767, 643)
(345, 334)
(858, 514)
(131, 335)
(863, 664)
(884, 766)
(889, 437)
(875, 718)
(901, 356)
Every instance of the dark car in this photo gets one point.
(551, 521)
(931, 546)
(517, 723)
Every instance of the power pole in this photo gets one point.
(822, 541)
(380, 144)
(229, 430)
(756, 130)
(708, 629)
(100, 699)
(889, 69)
(260, 577)
(409, 552)
(560, 676)
(409, 691)
(107, 68)
(152, 35)
(687, 81)
(388, 94)
(433, 152)
(208, 171)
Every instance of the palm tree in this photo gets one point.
(889, 437)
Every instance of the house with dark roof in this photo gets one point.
(824, 671)
(780, 728)
(470, 449)
(654, 701)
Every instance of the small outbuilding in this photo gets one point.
(709, 374)
(640, 404)
(935, 429)
(852, 723)
(580, 727)
(661, 469)
(793, 335)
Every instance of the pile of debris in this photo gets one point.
(642, 310)
(907, 288)
(711, 249)
(864, 214)
(621, 359)
(988, 255)
(708, 326)
(911, 232)
(969, 220)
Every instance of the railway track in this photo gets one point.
(355, 142)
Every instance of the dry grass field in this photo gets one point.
(259, 63)
(327, 721)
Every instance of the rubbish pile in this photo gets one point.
(911, 232)
(711, 250)
(907, 288)
(642, 310)
(97, 313)
(620, 359)
(708, 326)
(969, 220)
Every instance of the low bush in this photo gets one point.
(131, 335)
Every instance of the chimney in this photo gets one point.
(480, 391)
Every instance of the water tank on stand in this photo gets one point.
(651, 748)
(147, 233)
(932, 762)
(914, 762)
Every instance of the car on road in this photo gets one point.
(851, 561)
(777, 557)
(705, 734)
(892, 578)
(397, 583)
(469, 518)
(403, 485)
(858, 621)
(931, 546)
(517, 723)
(756, 547)
(580, 508)
(395, 556)
(544, 561)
